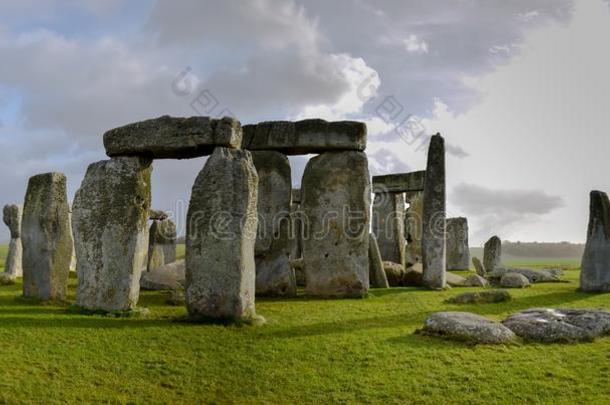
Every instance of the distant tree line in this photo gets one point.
(542, 249)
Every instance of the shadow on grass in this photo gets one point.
(351, 325)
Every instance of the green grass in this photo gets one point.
(310, 351)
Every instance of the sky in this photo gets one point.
(519, 89)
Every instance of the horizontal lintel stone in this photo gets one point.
(173, 137)
(400, 182)
(305, 137)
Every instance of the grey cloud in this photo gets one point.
(502, 210)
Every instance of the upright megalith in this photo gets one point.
(433, 219)
(46, 238)
(161, 243)
(12, 214)
(220, 238)
(413, 227)
(173, 137)
(388, 225)
(296, 232)
(458, 252)
(595, 268)
(274, 276)
(336, 201)
(492, 254)
(377, 276)
(110, 226)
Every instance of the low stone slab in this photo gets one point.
(454, 280)
(305, 137)
(377, 274)
(413, 276)
(394, 273)
(170, 276)
(476, 281)
(514, 280)
(547, 325)
(46, 238)
(173, 137)
(480, 297)
(532, 275)
(399, 182)
(466, 327)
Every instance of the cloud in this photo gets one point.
(499, 211)
(415, 45)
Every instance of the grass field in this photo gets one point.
(310, 351)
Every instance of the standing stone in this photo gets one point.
(433, 220)
(458, 252)
(388, 225)
(296, 233)
(220, 238)
(46, 238)
(12, 218)
(109, 221)
(161, 243)
(492, 254)
(595, 268)
(274, 276)
(377, 274)
(478, 266)
(336, 202)
(413, 227)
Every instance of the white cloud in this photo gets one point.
(415, 45)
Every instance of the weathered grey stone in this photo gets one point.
(169, 276)
(514, 280)
(11, 214)
(532, 275)
(299, 271)
(7, 279)
(274, 276)
(478, 267)
(548, 325)
(158, 215)
(110, 226)
(480, 297)
(413, 227)
(46, 238)
(433, 220)
(466, 327)
(454, 280)
(492, 254)
(476, 281)
(399, 182)
(14, 258)
(161, 243)
(305, 137)
(336, 202)
(296, 232)
(394, 273)
(458, 251)
(388, 225)
(377, 275)
(173, 138)
(595, 267)
(220, 239)
(414, 276)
